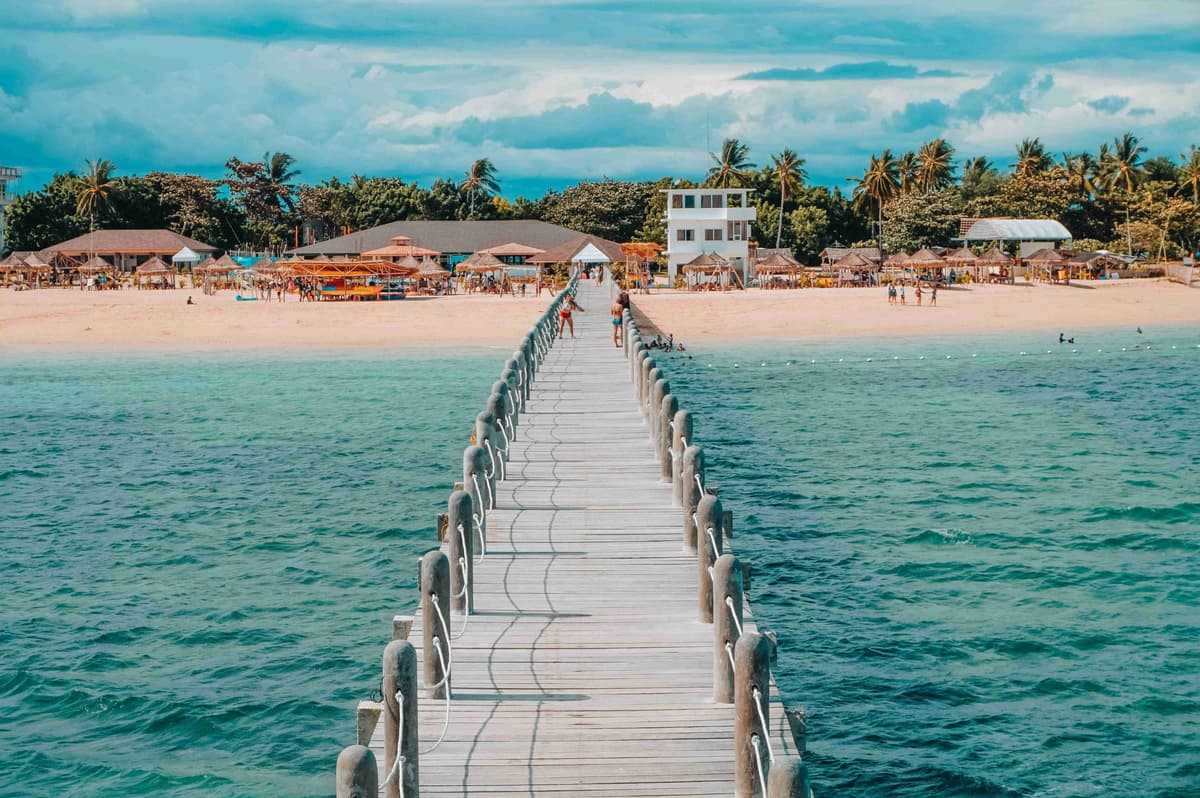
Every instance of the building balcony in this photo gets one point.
(711, 214)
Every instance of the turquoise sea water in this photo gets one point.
(985, 571)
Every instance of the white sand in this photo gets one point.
(845, 312)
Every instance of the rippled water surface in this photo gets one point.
(985, 569)
(199, 560)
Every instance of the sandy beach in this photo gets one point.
(696, 318)
(73, 320)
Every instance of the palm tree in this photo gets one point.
(1189, 173)
(935, 167)
(1080, 171)
(879, 183)
(94, 188)
(281, 174)
(789, 171)
(731, 165)
(1032, 158)
(481, 177)
(908, 171)
(1121, 167)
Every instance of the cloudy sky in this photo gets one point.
(558, 90)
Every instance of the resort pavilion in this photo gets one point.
(925, 262)
(778, 270)
(18, 269)
(354, 280)
(835, 252)
(513, 253)
(962, 259)
(1093, 265)
(431, 277)
(996, 263)
(717, 272)
(98, 272)
(125, 250)
(1047, 262)
(400, 247)
(581, 252)
(483, 271)
(638, 257)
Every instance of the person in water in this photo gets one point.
(190, 302)
(569, 306)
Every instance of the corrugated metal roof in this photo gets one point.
(1017, 230)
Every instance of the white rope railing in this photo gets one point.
(466, 578)
(437, 606)
(446, 715)
(394, 774)
(479, 493)
(699, 484)
(729, 651)
(482, 540)
(492, 457)
(507, 440)
(762, 721)
(762, 782)
(712, 539)
(733, 614)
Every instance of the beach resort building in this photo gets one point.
(125, 250)
(713, 221)
(1030, 235)
(8, 174)
(512, 241)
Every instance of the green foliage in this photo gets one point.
(809, 227)
(921, 220)
(1031, 195)
(611, 209)
(38, 219)
(654, 226)
(730, 168)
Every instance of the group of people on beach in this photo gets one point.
(895, 294)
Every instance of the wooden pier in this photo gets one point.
(584, 668)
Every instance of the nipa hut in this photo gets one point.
(854, 269)
(775, 270)
(717, 272)
(155, 270)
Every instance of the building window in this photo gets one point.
(712, 201)
(738, 231)
(685, 235)
(713, 234)
(689, 200)
(735, 201)
(677, 201)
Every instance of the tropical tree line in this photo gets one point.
(1116, 198)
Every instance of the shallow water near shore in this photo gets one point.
(985, 571)
(984, 565)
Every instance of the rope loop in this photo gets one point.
(762, 782)
(733, 614)
(762, 721)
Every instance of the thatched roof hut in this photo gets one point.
(896, 260)
(778, 263)
(994, 257)
(961, 257)
(853, 261)
(1046, 258)
(95, 265)
(480, 263)
(925, 257)
(430, 269)
(706, 263)
(155, 267)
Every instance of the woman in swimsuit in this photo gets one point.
(564, 315)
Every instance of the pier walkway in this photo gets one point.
(584, 668)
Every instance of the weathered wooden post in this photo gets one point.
(708, 543)
(650, 373)
(435, 609)
(727, 621)
(357, 774)
(654, 412)
(500, 386)
(788, 779)
(693, 465)
(752, 681)
(681, 438)
(400, 739)
(635, 364)
(525, 378)
(666, 420)
(499, 409)
(462, 552)
(486, 437)
(626, 329)
(474, 477)
(509, 378)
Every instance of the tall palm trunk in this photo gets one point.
(779, 227)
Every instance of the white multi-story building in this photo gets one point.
(7, 173)
(715, 220)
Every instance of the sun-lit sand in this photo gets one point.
(843, 312)
(73, 320)
(70, 319)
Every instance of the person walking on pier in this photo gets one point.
(618, 311)
(569, 306)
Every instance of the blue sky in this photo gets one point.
(563, 90)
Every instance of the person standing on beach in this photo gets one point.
(902, 295)
(933, 297)
(918, 292)
(891, 291)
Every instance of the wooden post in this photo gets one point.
(509, 378)
(649, 374)
(400, 676)
(727, 583)
(487, 438)
(654, 412)
(357, 774)
(693, 464)
(526, 378)
(462, 551)
(498, 408)
(681, 432)
(666, 420)
(435, 619)
(752, 671)
(709, 515)
(474, 476)
(639, 356)
(510, 407)
(788, 779)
